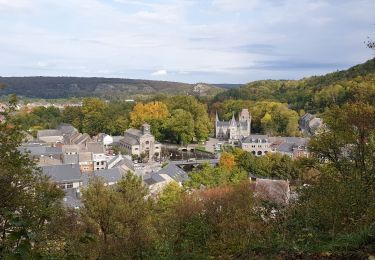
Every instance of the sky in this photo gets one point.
(212, 41)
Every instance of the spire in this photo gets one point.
(217, 117)
(233, 121)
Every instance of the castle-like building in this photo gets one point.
(233, 130)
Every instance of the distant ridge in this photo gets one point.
(65, 87)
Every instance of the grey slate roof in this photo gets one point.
(70, 158)
(130, 140)
(63, 173)
(67, 129)
(108, 175)
(49, 132)
(134, 132)
(255, 138)
(38, 150)
(154, 178)
(285, 147)
(95, 147)
(175, 172)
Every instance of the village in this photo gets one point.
(70, 159)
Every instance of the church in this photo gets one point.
(233, 131)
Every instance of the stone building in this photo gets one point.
(138, 142)
(256, 144)
(233, 130)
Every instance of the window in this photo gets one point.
(147, 142)
(97, 163)
(259, 153)
(102, 163)
(69, 185)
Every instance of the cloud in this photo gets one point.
(14, 4)
(159, 73)
(190, 40)
(236, 5)
(282, 65)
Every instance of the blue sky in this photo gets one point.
(214, 41)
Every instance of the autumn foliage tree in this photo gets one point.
(148, 112)
(227, 161)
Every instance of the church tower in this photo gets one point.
(244, 123)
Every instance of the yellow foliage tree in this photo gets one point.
(147, 112)
(227, 161)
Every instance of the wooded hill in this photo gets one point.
(65, 87)
(315, 93)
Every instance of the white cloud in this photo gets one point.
(236, 5)
(159, 73)
(189, 39)
(14, 4)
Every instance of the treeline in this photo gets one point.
(217, 214)
(178, 119)
(312, 94)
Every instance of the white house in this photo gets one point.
(256, 144)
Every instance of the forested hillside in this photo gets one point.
(313, 94)
(65, 87)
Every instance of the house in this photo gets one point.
(109, 176)
(42, 151)
(141, 142)
(175, 172)
(70, 149)
(256, 144)
(112, 162)
(67, 131)
(156, 183)
(50, 136)
(78, 139)
(294, 147)
(85, 161)
(66, 176)
(233, 131)
(99, 157)
(270, 189)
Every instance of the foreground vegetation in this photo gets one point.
(215, 214)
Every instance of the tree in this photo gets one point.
(202, 123)
(100, 212)
(94, 118)
(29, 202)
(209, 176)
(347, 141)
(227, 161)
(153, 111)
(180, 127)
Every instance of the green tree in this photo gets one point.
(29, 202)
(180, 127)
